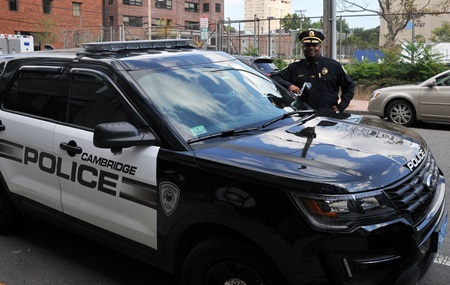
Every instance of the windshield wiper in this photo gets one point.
(222, 134)
(285, 116)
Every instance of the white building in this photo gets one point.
(264, 10)
(422, 26)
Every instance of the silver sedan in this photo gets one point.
(404, 105)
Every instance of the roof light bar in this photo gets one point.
(137, 45)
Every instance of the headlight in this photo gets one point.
(375, 94)
(344, 213)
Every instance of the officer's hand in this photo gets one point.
(335, 108)
(294, 89)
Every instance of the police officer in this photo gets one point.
(326, 76)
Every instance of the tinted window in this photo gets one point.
(46, 95)
(93, 102)
(38, 94)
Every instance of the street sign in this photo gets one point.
(204, 27)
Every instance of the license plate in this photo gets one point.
(442, 232)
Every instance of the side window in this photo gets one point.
(38, 94)
(443, 80)
(93, 102)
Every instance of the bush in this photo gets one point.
(280, 63)
(416, 64)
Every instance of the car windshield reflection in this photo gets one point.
(204, 100)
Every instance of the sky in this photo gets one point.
(234, 9)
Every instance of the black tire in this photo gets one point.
(9, 215)
(401, 112)
(226, 262)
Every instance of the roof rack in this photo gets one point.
(117, 46)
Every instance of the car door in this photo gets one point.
(112, 191)
(435, 101)
(31, 106)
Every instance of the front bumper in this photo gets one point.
(389, 253)
(395, 253)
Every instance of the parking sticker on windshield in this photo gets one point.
(198, 130)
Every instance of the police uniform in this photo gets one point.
(326, 76)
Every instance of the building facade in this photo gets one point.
(128, 19)
(421, 27)
(268, 12)
(66, 24)
(60, 23)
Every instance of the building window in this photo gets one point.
(192, 25)
(111, 21)
(13, 5)
(217, 8)
(133, 2)
(76, 9)
(191, 7)
(131, 21)
(110, 2)
(164, 4)
(47, 6)
(205, 7)
(162, 22)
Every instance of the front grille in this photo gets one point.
(413, 198)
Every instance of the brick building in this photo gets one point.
(66, 24)
(60, 23)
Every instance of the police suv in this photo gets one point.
(197, 164)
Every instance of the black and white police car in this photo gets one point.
(199, 165)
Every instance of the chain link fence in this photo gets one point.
(269, 38)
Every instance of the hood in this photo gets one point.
(356, 154)
(400, 87)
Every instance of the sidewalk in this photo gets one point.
(358, 106)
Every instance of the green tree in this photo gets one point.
(317, 25)
(250, 50)
(442, 33)
(230, 28)
(46, 34)
(342, 26)
(290, 22)
(368, 38)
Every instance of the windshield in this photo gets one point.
(267, 66)
(201, 100)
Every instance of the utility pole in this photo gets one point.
(326, 28)
(149, 19)
(254, 31)
(300, 12)
(329, 28)
(269, 18)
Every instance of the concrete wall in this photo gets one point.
(363, 92)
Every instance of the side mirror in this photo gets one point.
(119, 135)
(431, 83)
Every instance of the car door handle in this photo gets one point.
(71, 147)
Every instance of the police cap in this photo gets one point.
(311, 36)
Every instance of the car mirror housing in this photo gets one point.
(431, 83)
(119, 135)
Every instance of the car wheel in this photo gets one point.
(227, 262)
(9, 215)
(401, 112)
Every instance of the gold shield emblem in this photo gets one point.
(324, 71)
